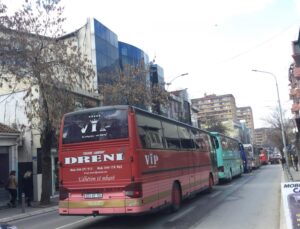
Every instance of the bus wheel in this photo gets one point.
(176, 197)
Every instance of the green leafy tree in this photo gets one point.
(50, 67)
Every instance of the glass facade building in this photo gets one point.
(157, 75)
(107, 51)
(137, 58)
(112, 55)
(131, 55)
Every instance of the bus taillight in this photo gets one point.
(221, 168)
(134, 190)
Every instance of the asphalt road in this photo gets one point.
(251, 201)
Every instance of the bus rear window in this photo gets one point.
(95, 125)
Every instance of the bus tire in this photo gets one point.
(176, 197)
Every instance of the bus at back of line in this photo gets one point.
(124, 160)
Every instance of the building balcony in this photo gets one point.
(295, 93)
(296, 72)
(295, 108)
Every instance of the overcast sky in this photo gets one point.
(217, 42)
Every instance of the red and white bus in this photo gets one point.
(124, 160)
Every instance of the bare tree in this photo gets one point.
(275, 133)
(33, 54)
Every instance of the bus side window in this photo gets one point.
(205, 142)
(194, 134)
(171, 135)
(150, 132)
(185, 138)
(201, 141)
(142, 134)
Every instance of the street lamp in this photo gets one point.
(280, 112)
(169, 83)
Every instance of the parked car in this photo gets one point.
(274, 158)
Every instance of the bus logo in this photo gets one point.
(94, 158)
(151, 159)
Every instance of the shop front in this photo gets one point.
(8, 157)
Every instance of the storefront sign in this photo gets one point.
(290, 192)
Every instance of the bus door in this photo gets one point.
(213, 145)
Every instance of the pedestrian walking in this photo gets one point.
(27, 182)
(296, 162)
(283, 161)
(12, 185)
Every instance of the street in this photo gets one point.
(251, 201)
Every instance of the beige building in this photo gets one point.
(218, 108)
(261, 136)
(215, 107)
(223, 108)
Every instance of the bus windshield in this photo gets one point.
(95, 125)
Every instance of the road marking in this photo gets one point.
(181, 214)
(215, 194)
(70, 224)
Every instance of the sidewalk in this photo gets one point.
(294, 175)
(10, 214)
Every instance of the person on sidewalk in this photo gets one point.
(296, 162)
(27, 182)
(283, 162)
(12, 185)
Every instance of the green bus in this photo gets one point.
(229, 160)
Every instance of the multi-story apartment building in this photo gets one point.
(245, 114)
(215, 107)
(261, 137)
(220, 108)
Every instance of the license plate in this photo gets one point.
(93, 195)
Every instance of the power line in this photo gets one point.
(258, 45)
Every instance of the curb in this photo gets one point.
(26, 215)
(282, 224)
